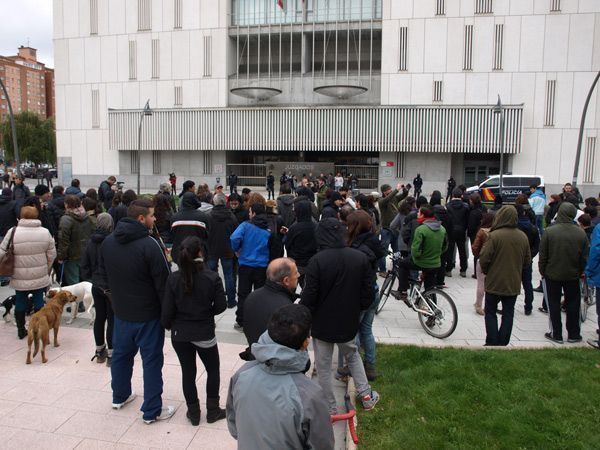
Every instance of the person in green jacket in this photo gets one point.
(428, 245)
(74, 231)
(563, 255)
(502, 259)
(322, 194)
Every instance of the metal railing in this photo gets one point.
(368, 176)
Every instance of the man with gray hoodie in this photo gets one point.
(296, 416)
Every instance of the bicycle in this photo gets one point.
(588, 298)
(436, 309)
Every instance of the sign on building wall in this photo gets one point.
(299, 168)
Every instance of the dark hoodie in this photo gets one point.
(223, 224)
(300, 241)
(189, 222)
(531, 232)
(56, 208)
(285, 208)
(368, 244)
(8, 214)
(91, 257)
(564, 247)
(133, 266)
(330, 210)
(338, 287)
(504, 254)
(459, 213)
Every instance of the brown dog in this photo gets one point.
(47, 317)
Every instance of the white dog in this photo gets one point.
(83, 292)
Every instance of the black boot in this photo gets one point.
(20, 319)
(214, 412)
(193, 413)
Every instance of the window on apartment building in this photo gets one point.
(207, 162)
(484, 7)
(134, 162)
(144, 15)
(438, 91)
(93, 16)
(177, 14)
(403, 64)
(132, 60)
(207, 56)
(155, 58)
(589, 162)
(400, 164)
(554, 5)
(498, 46)
(95, 108)
(156, 162)
(440, 7)
(178, 96)
(550, 103)
(468, 50)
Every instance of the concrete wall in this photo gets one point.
(433, 167)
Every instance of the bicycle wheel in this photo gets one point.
(384, 292)
(443, 318)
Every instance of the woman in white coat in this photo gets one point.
(34, 251)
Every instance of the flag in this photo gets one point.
(280, 3)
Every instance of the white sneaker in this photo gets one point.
(165, 413)
(129, 400)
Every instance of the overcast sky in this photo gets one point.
(23, 20)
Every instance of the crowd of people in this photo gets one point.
(320, 237)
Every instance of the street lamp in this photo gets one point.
(13, 128)
(581, 126)
(145, 112)
(499, 109)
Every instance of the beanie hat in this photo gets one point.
(104, 222)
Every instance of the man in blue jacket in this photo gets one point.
(592, 273)
(537, 201)
(251, 243)
(134, 268)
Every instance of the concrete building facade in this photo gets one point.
(384, 89)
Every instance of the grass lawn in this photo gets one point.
(454, 398)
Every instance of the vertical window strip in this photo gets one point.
(484, 7)
(95, 108)
(132, 60)
(93, 16)
(550, 99)
(155, 58)
(403, 49)
(555, 6)
(468, 50)
(400, 164)
(177, 13)
(498, 46)
(156, 162)
(590, 160)
(437, 91)
(178, 99)
(207, 162)
(440, 9)
(134, 162)
(207, 56)
(144, 15)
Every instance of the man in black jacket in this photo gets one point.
(189, 222)
(279, 290)
(285, 205)
(223, 224)
(133, 266)
(331, 207)
(459, 213)
(106, 193)
(237, 208)
(300, 242)
(339, 286)
(56, 206)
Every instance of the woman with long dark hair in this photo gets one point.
(193, 297)
(163, 214)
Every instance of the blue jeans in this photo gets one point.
(387, 238)
(365, 330)
(539, 223)
(149, 338)
(527, 286)
(21, 299)
(227, 265)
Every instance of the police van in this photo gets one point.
(513, 185)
